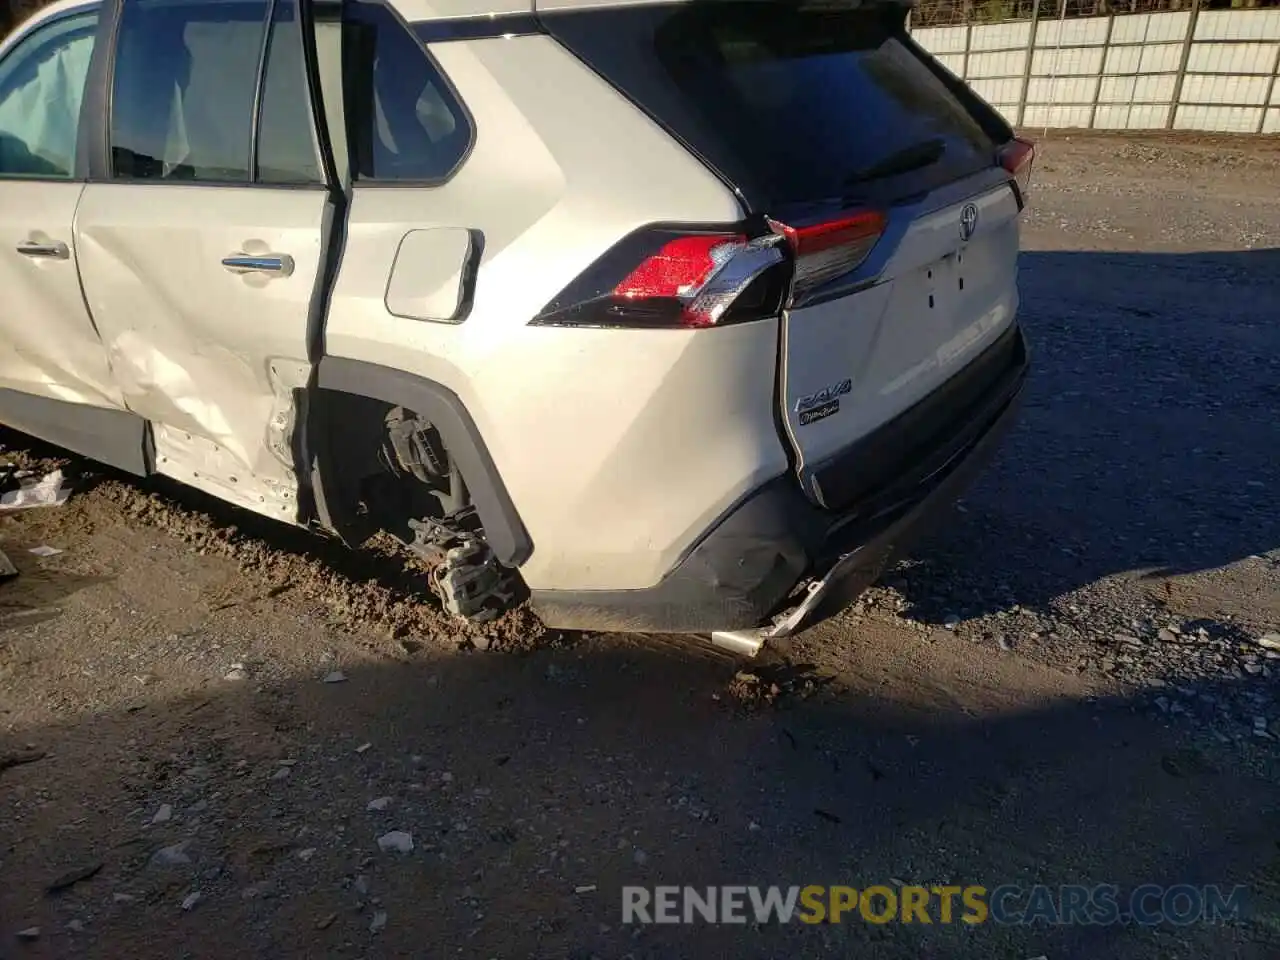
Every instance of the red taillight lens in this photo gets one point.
(1016, 156)
(674, 278)
(680, 268)
(826, 250)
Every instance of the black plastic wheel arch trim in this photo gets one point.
(504, 530)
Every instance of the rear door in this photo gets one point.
(825, 115)
(202, 239)
(48, 346)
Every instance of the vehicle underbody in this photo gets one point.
(393, 473)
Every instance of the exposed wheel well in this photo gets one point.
(414, 442)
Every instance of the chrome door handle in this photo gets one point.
(49, 251)
(271, 263)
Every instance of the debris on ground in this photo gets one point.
(1269, 641)
(44, 551)
(397, 841)
(237, 672)
(48, 491)
(174, 855)
(70, 878)
(751, 690)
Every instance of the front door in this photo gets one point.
(48, 346)
(202, 250)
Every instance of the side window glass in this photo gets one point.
(41, 85)
(404, 121)
(287, 150)
(183, 95)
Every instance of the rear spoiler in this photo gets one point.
(521, 17)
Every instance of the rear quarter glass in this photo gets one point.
(792, 105)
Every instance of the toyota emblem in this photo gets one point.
(968, 221)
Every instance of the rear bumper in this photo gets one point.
(783, 560)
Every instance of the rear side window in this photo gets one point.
(182, 101)
(405, 124)
(186, 87)
(793, 104)
(287, 151)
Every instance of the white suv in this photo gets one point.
(675, 316)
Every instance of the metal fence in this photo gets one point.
(1103, 64)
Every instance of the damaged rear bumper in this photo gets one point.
(779, 562)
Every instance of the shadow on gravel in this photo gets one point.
(43, 590)
(535, 786)
(42, 597)
(1149, 437)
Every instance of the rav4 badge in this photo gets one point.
(811, 400)
(813, 407)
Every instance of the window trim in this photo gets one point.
(448, 87)
(259, 86)
(78, 172)
(98, 157)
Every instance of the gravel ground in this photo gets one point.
(222, 739)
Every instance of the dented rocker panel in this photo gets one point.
(114, 437)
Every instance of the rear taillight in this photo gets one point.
(665, 278)
(1016, 156)
(832, 248)
(670, 278)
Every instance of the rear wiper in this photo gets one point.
(903, 161)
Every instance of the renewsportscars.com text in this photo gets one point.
(1101, 904)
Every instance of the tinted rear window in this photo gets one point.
(792, 105)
